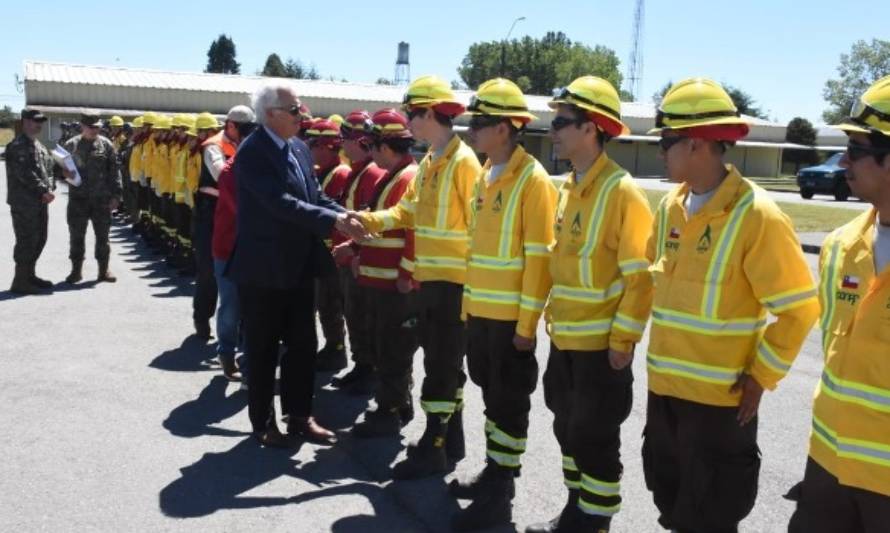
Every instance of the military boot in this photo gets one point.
(427, 457)
(21, 283)
(569, 520)
(474, 487)
(493, 504)
(38, 282)
(379, 423)
(76, 274)
(104, 273)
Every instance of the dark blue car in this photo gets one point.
(827, 178)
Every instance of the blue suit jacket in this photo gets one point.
(282, 218)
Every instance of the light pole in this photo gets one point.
(504, 45)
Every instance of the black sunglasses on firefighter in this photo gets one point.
(415, 112)
(666, 143)
(559, 123)
(857, 151)
(478, 122)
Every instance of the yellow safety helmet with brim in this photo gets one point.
(501, 97)
(432, 92)
(206, 121)
(696, 102)
(598, 98)
(870, 112)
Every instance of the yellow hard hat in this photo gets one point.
(696, 102)
(871, 112)
(163, 122)
(150, 118)
(599, 98)
(116, 121)
(432, 91)
(336, 119)
(501, 98)
(206, 121)
(138, 122)
(186, 120)
(192, 131)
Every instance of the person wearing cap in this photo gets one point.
(216, 150)
(97, 196)
(29, 190)
(325, 143)
(161, 177)
(712, 351)
(438, 206)
(115, 131)
(143, 143)
(279, 251)
(846, 485)
(358, 138)
(386, 283)
(182, 259)
(599, 304)
(506, 287)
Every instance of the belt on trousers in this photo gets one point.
(210, 191)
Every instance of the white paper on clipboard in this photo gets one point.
(66, 161)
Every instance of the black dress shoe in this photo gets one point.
(272, 438)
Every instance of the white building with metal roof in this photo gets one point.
(62, 91)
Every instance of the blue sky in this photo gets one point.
(779, 51)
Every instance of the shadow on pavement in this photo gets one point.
(193, 355)
(196, 417)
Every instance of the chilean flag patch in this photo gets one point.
(675, 233)
(850, 282)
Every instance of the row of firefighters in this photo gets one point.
(466, 258)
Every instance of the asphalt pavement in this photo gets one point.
(114, 417)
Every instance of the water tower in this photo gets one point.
(403, 66)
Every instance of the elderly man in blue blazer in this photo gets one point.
(283, 218)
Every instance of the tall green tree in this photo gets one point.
(7, 117)
(800, 131)
(274, 67)
(865, 64)
(538, 66)
(221, 56)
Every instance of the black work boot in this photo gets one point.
(379, 423)
(455, 447)
(104, 273)
(358, 373)
(476, 486)
(331, 358)
(21, 283)
(40, 283)
(493, 504)
(76, 274)
(569, 520)
(427, 457)
(202, 329)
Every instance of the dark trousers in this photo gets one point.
(143, 198)
(507, 378)
(700, 465)
(82, 211)
(272, 317)
(826, 506)
(184, 221)
(443, 338)
(29, 224)
(131, 198)
(589, 400)
(392, 324)
(329, 301)
(355, 309)
(204, 300)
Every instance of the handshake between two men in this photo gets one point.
(350, 224)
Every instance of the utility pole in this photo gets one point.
(634, 76)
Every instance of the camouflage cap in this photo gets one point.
(91, 119)
(33, 114)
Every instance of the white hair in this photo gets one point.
(268, 96)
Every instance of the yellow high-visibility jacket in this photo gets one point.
(172, 161)
(148, 159)
(179, 169)
(193, 165)
(161, 171)
(851, 411)
(136, 172)
(438, 207)
(507, 276)
(716, 275)
(602, 287)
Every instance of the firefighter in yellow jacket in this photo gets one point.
(506, 288)
(846, 486)
(723, 256)
(599, 304)
(438, 206)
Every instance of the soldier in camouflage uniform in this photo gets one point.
(29, 191)
(97, 196)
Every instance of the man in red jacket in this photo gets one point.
(323, 137)
(358, 137)
(385, 276)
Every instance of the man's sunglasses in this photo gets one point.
(479, 122)
(666, 143)
(559, 123)
(293, 110)
(415, 112)
(857, 151)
